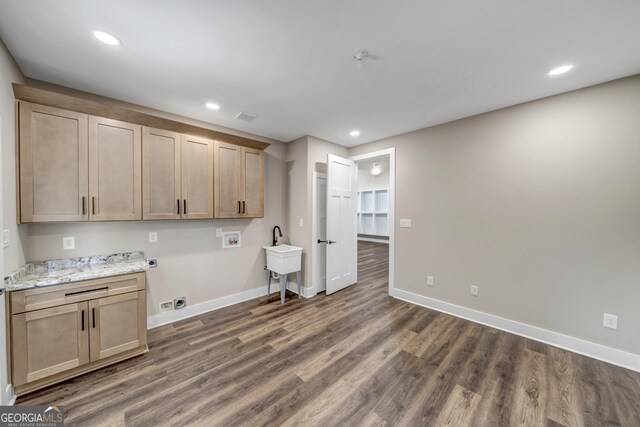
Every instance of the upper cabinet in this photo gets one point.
(161, 174)
(80, 166)
(115, 168)
(238, 181)
(197, 177)
(53, 164)
(75, 167)
(178, 176)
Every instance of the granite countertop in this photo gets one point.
(59, 271)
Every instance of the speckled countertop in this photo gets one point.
(59, 271)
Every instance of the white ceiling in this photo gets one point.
(290, 61)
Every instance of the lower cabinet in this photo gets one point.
(94, 324)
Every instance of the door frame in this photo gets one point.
(391, 152)
(315, 286)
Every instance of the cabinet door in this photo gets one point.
(117, 324)
(197, 177)
(160, 174)
(49, 341)
(227, 180)
(53, 164)
(252, 195)
(115, 167)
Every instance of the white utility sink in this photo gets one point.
(284, 259)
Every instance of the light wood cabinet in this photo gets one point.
(80, 167)
(161, 174)
(68, 330)
(118, 323)
(197, 177)
(178, 176)
(49, 341)
(53, 164)
(75, 167)
(115, 168)
(238, 181)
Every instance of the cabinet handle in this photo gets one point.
(83, 320)
(178, 206)
(93, 205)
(93, 315)
(69, 294)
(239, 210)
(184, 205)
(244, 210)
(84, 206)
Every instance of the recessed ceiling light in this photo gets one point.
(107, 38)
(354, 133)
(212, 106)
(560, 70)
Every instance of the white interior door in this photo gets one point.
(342, 257)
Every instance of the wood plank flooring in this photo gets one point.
(354, 358)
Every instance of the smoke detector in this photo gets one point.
(360, 54)
(247, 117)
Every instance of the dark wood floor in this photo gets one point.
(355, 358)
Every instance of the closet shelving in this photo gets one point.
(373, 212)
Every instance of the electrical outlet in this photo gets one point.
(429, 280)
(6, 238)
(153, 236)
(166, 306)
(475, 290)
(180, 302)
(68, 243)
(301, 222)
(405, 223)
(610, 321)
(218, 232)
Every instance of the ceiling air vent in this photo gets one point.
(247, 117)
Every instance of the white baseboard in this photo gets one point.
(306, 292)
(193, 310)
(10, 396)
(576, 345)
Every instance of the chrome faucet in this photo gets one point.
(275, 238)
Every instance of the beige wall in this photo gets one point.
(9, 73)
(537, 204)
(304, 156)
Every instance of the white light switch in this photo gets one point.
(405, 223)
(218, 232)
(153, 236)
(68, 243)
(6, 238)
(301, 222)
(429, 280)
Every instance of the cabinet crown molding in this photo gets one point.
(80, 105)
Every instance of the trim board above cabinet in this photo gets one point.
(103, 109)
